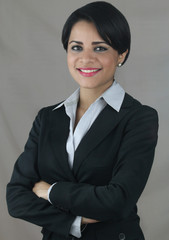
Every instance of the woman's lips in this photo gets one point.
(88, 72)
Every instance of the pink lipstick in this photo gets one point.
(88, 72)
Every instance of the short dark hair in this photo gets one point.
(110, 23)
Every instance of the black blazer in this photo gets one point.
(111, 167)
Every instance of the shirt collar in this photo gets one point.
(113, 96)
(73, 99)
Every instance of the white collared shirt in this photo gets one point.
(113, 96)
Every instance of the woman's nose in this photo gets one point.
(87, 56)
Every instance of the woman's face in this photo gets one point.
(91, 61)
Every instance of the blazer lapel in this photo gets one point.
(105, 122)
(58, 136)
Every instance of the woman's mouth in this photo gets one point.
(88, 72)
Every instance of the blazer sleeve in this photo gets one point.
(116, 200)
(22, 202)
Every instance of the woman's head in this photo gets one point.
(110, 23)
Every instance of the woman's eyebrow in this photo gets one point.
(76, 42)
(93, 43)
(98, 42)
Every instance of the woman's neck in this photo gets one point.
(89, 96)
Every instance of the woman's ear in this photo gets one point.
(121, 58)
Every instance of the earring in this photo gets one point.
(120, 64)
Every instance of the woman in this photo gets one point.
(87, 159)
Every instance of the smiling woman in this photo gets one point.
(110, 23)
(87, 159)
(88, 55)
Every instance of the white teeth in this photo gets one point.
(89, 71)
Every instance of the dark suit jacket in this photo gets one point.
(111, 167)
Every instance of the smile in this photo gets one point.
(88, 72)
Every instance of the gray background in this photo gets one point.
(34, 74)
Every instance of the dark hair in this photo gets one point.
(110, 23)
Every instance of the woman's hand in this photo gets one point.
(41, 189)
(88, 221)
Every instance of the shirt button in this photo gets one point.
(122, 236)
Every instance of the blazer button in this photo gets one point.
(122, 236)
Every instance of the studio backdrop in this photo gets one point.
(34, 74)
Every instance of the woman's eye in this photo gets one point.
(100, 49)
(77, 48)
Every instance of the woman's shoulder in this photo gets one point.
(136, 107)
(132, 101)
(47, 110)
